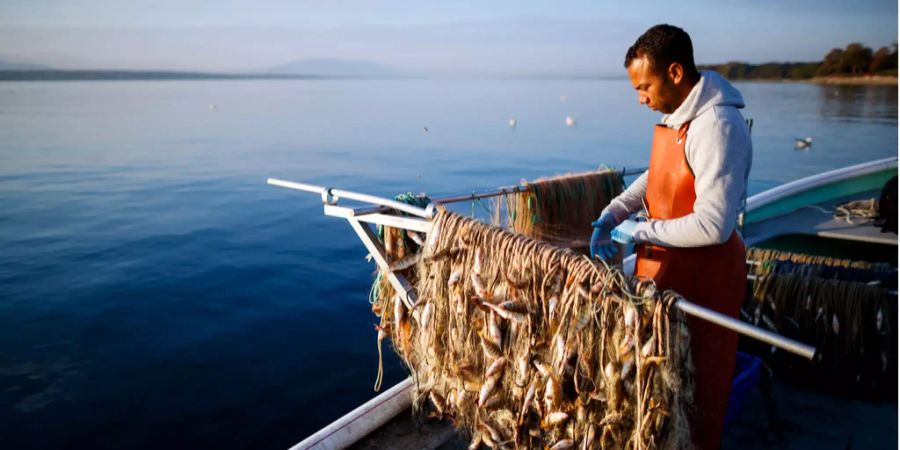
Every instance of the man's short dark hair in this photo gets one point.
(662, 45)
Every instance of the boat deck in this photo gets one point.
(776, 415)
(781, 415)
(818, 220)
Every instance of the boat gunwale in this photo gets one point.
(769, 198)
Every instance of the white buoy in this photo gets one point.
(213, 106)
(563, 98)
(512, 123)
(800, 143)
(570, 121)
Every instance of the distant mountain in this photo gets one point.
(9, 65)
(324, 67)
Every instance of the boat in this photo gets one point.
(796, 216)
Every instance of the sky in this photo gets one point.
(497, 37)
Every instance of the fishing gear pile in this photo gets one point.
(523, 344)
(845, 308)
(560, 209)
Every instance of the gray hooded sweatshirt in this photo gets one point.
(719, 153)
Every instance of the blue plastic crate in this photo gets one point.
(746, 376)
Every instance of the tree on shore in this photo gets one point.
(884, 59)
(855, 59)
(858, 59)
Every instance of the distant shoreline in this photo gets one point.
(148, 75)
(862, 80)
(126, 75)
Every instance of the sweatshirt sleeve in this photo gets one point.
(630, 201)
(720, 159)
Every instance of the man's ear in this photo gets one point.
(676, 72)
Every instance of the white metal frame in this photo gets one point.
(422, 223)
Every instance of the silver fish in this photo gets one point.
(491, 350)
(506, 313)
(552, 393)
(496, 367)
(479, 257)
(406, 263)
(416, 237)
(551, 306)
(478, 284)
(556, 418)
(399, 310)
(629, 316)
(454, 277)
(610, 370)
(514, 306)
(486, 389)
(494, 330)
(564, 444)
(529, 398)
(425, 317)
(542, 368)
(647, 349)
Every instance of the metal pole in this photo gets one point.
(383, 204)
(406, 292)
(795, 347)
(479, 195)
(506, 190)
(331, 195)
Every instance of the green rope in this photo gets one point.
(420, 201)
(374, 291)
(486, 209)
(532, 201)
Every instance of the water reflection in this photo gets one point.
(858, 102)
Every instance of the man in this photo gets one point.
(692, 191)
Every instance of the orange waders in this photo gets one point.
(714, 277)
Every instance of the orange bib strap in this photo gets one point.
(670, 184)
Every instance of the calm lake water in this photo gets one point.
(156, 293)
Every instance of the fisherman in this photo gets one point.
(691, 193)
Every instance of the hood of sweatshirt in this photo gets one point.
(712, 90)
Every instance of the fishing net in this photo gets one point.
(845, 308)
(560, 209)
(524, 344)
(763, 256)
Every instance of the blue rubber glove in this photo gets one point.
(601, 242)
(624, 233)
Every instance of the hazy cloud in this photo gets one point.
(501, 37)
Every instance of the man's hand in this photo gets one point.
(601, 242)
(624, 233)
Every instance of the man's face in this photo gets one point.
(654, 89)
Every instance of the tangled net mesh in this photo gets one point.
(841, 306)
(560, 209)
(523, 344)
